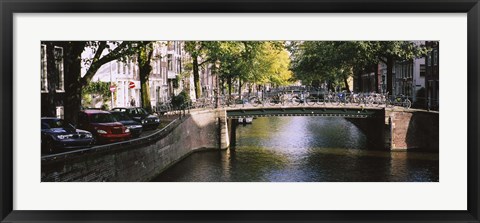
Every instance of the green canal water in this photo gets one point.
(303, 149)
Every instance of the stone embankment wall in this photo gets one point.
(141, 159)
(401, 129)
(414, 130)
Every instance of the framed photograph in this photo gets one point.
(239, 111)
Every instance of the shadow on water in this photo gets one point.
(303, 149)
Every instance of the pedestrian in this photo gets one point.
(132, 102)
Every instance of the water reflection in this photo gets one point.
(303, 149)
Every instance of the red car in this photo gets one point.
(103, 126)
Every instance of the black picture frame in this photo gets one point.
(10, 7)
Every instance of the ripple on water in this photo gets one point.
(303, 149)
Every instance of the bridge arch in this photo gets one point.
(371, 121)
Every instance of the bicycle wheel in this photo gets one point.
(255, 101)
(328, 100)
(311, 101)
(296, 101)
(370, 101)
(358, 100)
(407, 104)
(272, 101)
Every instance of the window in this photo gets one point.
(164, 77)
(43, 77)
(429, 62)
(410, 70)
(59, 112)
(422, 70)
(170, 62)
(179, 66)
(152, 89)
(435, 57)
(58, 54)
(159, 65)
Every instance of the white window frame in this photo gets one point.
(61, 75)
(59, 112)
(43, 71)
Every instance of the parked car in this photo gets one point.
(103, 125)
(134, 126)
(141, 115)
(58, 135)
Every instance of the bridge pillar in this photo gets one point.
(418, 130)
(222, 129)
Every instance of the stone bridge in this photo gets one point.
(385, 128)
(144, 158)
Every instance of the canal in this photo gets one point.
(303, 149)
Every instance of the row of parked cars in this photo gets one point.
(95, 127)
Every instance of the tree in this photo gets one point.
(322, 61)
(201, 52)
(333, 61)
(272, 64)
(390, 51)
(243, 61)
(144, 57)
(102, 53)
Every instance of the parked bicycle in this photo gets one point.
(276, 98)
(293, 99)
(376, 99)
(400, 100)
(340, 97)
(328, 98)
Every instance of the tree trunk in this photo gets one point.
(72, 80)
(389, 75)
(240, 88)
(145, 68)
(229, 83)
(196, 78)
(345, 81)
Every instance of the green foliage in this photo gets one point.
(175, 82)
(257, 62)
(96, 89)
(334, 61)
(181, 101)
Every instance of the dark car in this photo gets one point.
(57, 135)
(134, 126)
(141, 115)
(103, 125)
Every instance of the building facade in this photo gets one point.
(432, 75)
(164, 80)
(52, 79)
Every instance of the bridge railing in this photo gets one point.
(315, 98)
